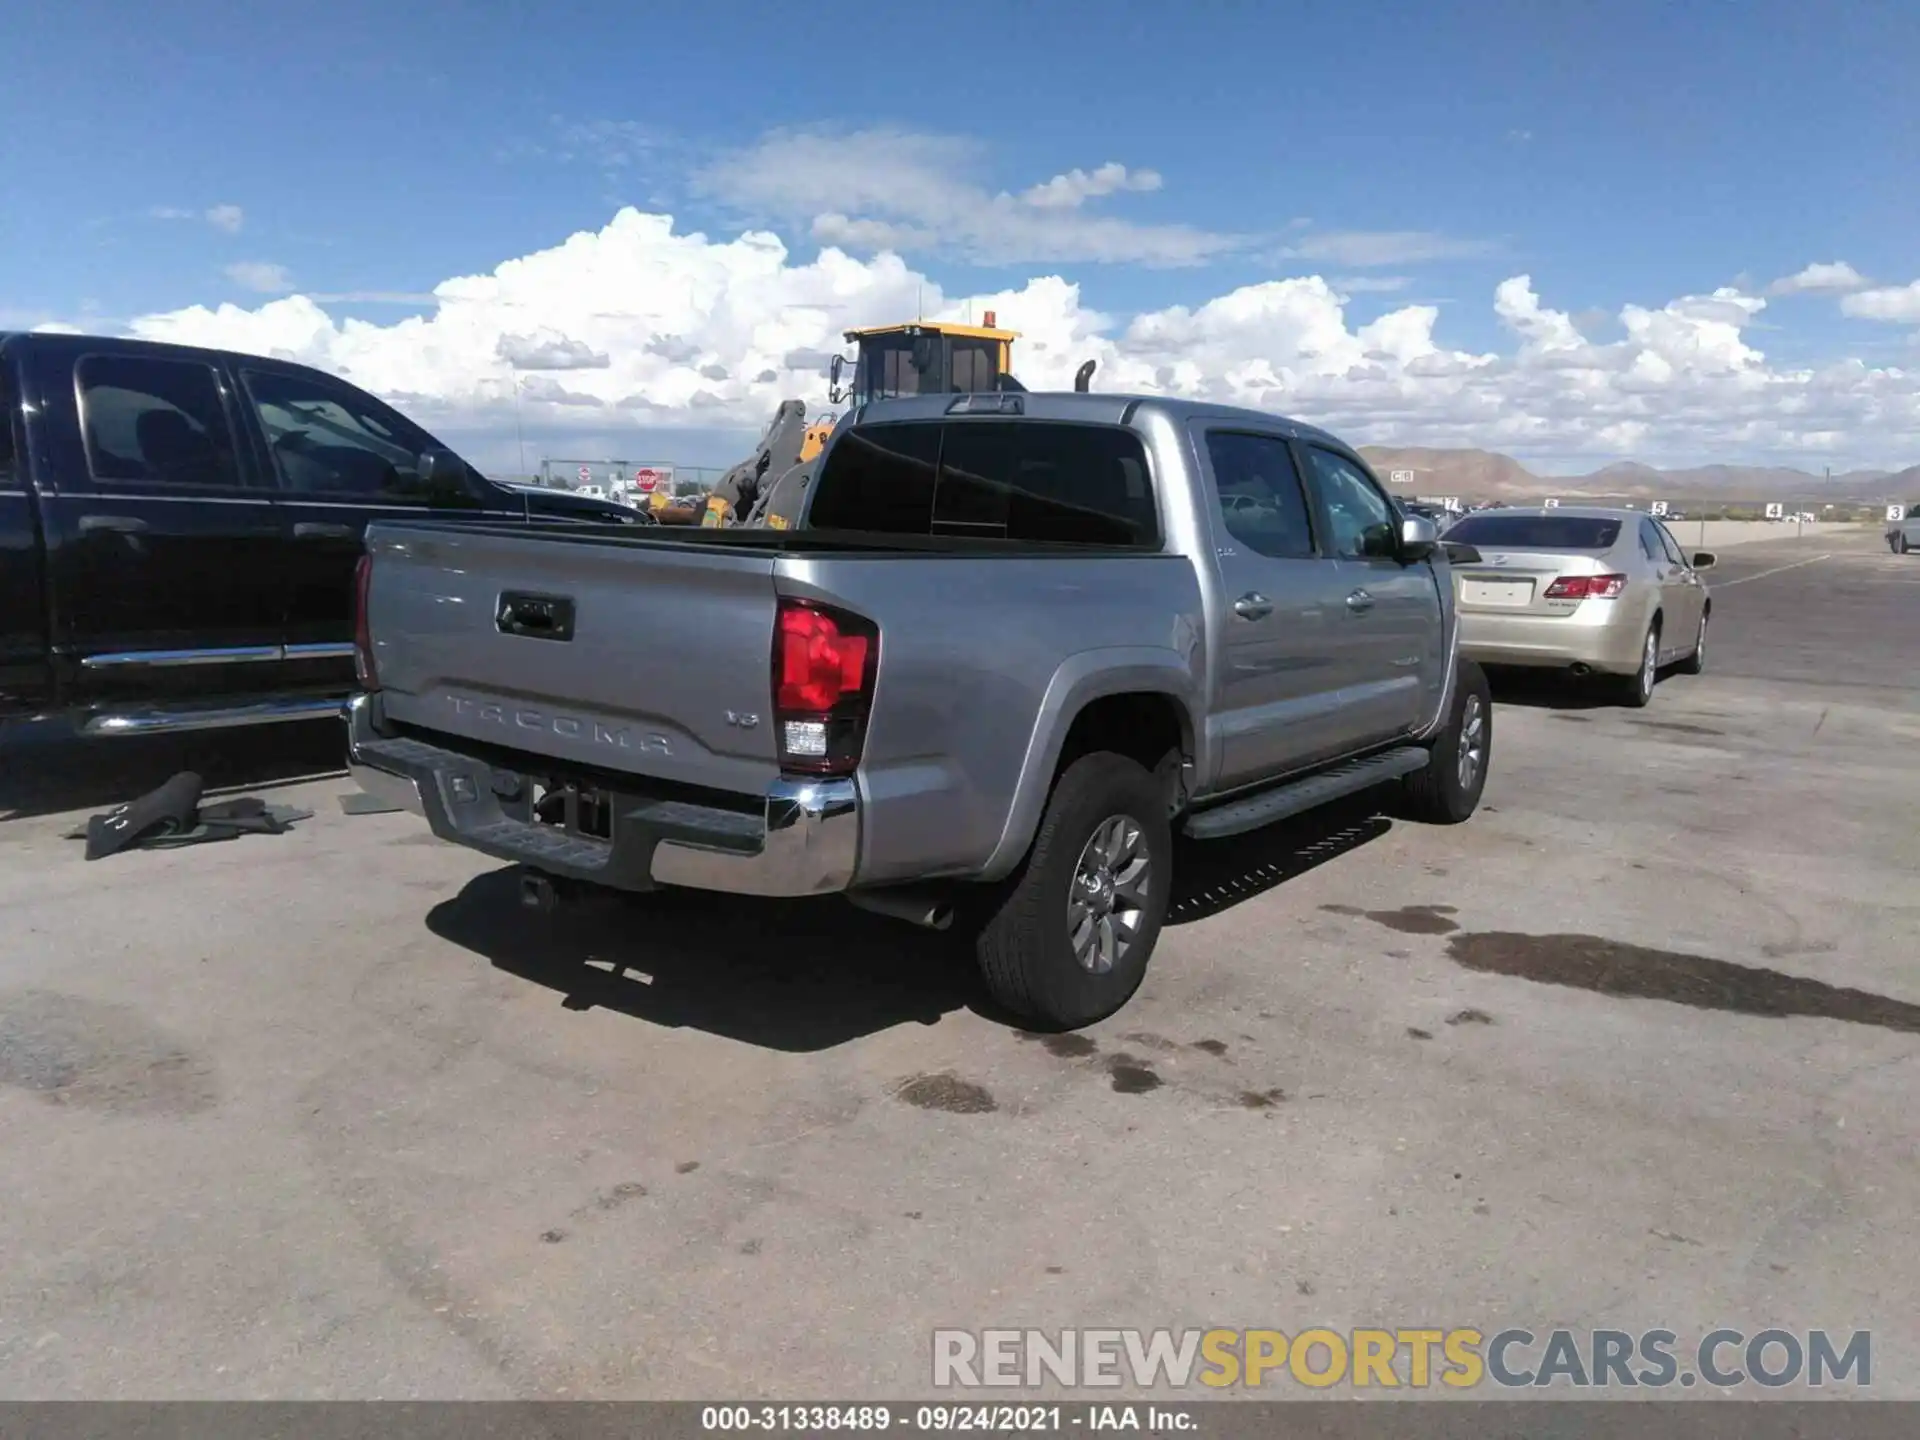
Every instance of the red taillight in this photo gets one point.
(362, 635)
(823, 669)
(1586, 587)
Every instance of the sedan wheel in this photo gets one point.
(1638, 690)
(1697, 661)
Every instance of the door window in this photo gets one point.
(156, 422)
(1671, 546)
(1650, 545)
(1261, 503)
(329, 442)
(1360, 522)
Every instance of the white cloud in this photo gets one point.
(1371, 284)
(1065, 192)
(896, 190)
(1363, 249)
(1821, 276)
(222, 217)
(1899, 303)
(701, 334)
(260, 275)
(549, 350)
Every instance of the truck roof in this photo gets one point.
(1094, 407)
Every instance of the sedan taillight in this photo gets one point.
(1586, 587)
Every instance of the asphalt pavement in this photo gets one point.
(326, 1115)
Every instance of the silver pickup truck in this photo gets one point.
(1013, 643)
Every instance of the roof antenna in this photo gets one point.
(919, 302)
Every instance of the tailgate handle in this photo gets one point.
(538, 617)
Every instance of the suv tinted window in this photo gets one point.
(333, 441)
(7, 474)
(1038, 480)
(156, 421)
(1261, 503)
(879, 478)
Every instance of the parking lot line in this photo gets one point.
(1815, 560)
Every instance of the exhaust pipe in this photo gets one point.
(929, 909)
(1581, 670)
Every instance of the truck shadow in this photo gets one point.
(793, 975)
(46, 773)
(807, 975)
(1215, 875)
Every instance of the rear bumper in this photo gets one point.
(1609, 640)
(801, 838)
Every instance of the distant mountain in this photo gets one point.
(1487, 475)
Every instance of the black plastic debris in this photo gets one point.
(172, 816)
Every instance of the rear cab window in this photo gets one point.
(1031, 481)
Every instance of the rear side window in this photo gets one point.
(1650, 545)
(156, 422)
(879, 478)
(1537, 532)
(993, 480)
(1066, 484)
(1261, 503)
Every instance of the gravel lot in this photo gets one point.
(327, 1115)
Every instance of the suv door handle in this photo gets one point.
(323, 530)
(1359, 600)
(1253, 606)
(118, 524)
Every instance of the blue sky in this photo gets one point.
(1627, 153)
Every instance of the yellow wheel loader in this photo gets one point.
(922, 357)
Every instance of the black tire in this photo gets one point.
(1900, 543)
(1636, 690)
(1025, 946)
(1696, 661)
(1445, 793)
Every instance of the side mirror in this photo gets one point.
(922, 353)
(1704, 559)
(1418, 537)
(834, 367)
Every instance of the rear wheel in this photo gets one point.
(1697, 660)
(1069, 936)
(1637, 689)
(1448, 790)
(1900, 543)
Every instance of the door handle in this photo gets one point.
(323, 530)
(117, 524)
(1359, 600)
(1253, 606)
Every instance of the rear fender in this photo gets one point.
(1086, 677)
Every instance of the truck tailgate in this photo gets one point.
(649, 658)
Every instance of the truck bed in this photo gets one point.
(665, 672)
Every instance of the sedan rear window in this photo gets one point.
(1537, 532)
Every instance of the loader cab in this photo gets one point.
(925, 358)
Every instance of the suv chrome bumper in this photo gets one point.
(805, 840)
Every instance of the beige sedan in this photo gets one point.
(1585, 590)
